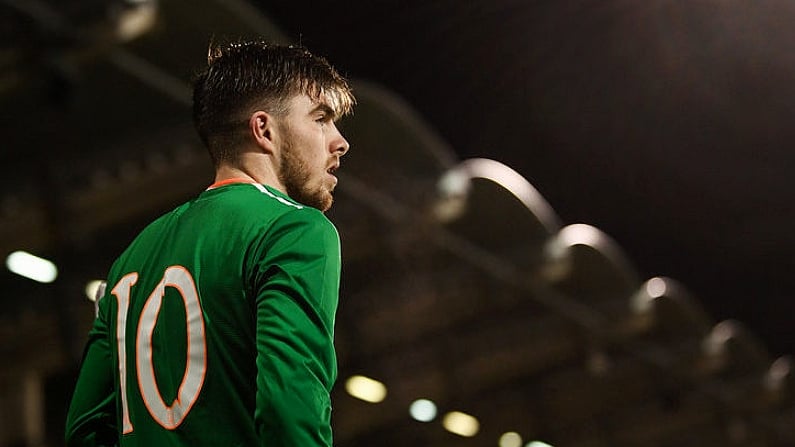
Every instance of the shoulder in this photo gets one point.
(254, 198)
(288, 213)
(271, 218)
(306, 223)
(302, 238)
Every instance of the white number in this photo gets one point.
(122, 293)
(168, 416)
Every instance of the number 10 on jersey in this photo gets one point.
(168, 416)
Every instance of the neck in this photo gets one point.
(261, 174)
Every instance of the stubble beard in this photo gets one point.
(295, 176)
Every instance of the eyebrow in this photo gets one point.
(325, 108)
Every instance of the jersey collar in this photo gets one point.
(230, 181)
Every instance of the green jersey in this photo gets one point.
(216, 329)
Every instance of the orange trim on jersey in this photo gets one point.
(230, 181)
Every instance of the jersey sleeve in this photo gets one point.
(91, 419)
(296, 287)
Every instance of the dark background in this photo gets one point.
(665, 124)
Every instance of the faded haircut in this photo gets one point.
(246, 76)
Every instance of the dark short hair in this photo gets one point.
(243, 77)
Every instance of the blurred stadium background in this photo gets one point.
(472, 313)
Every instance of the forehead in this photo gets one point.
(302, 103)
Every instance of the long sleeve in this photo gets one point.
(91, 420)
(297, 286)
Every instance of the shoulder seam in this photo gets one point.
(264, 190)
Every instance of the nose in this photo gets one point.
(339, 145)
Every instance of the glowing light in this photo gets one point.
(366, 389)
(454, 183)
(461, 424)
(93, 289)
(32, 267)
(656, 287)
(453, 188)
(779, 372)
(510, 439)
(582, 234)
(781, 369)
(136, 18)
(537, 444)
(423, 410)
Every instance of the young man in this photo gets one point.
(217, 326)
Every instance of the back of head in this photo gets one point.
(243, 77)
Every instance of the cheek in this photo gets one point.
(320, 145)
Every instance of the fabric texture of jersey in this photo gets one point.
(227, 336)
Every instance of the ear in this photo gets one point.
(262, 126)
